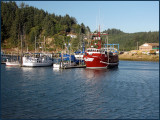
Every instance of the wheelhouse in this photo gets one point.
(93, 50)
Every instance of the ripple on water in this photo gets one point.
(129, 91)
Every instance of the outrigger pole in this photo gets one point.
(98, 38)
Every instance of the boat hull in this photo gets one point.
(36, 64)
(100, 61)
(12, 64)
(57, 66)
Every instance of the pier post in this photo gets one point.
(21, 52)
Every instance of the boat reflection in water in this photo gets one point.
(98, 74)
(32, 72)
(56, 70)
(27, 69)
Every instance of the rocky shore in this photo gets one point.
(139, 57)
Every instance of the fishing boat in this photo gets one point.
(79, 57)
(57, 63)
(99, 55)
(64, 60)
(79, 54)
(36, 60)
(41, 59)
(68, 57)
(12, 63)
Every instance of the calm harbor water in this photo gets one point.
(129, 91)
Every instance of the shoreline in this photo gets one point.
(152, 58)
(129, 57)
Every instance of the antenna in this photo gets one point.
(102, 25)
(96, 23)
(99, 16)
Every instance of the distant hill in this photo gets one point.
(128, 41)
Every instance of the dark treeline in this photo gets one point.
(30, 22)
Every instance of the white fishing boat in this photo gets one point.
(79, 56)
(12, 63)
(56, 66)
(57, 62)
(41, 60)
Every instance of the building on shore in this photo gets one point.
(149, 47)
(72, 35)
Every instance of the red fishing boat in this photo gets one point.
(101, 56)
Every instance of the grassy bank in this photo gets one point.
(139, 57)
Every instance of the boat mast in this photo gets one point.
(44, 45)
(99, 37)
(21, 50)
(35, 44)
(107, 49)
(70, 53)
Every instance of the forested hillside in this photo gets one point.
(128, 41)
(32, 22)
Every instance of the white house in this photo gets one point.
(72, 36)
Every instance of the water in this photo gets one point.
(129, 91)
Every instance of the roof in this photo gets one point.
(151, 44)
(79, 52)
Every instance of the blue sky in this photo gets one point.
(128, 16)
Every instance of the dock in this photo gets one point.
(77, 66)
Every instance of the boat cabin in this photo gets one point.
(93, 50)
(102, 51)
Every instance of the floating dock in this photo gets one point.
(77, 66)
